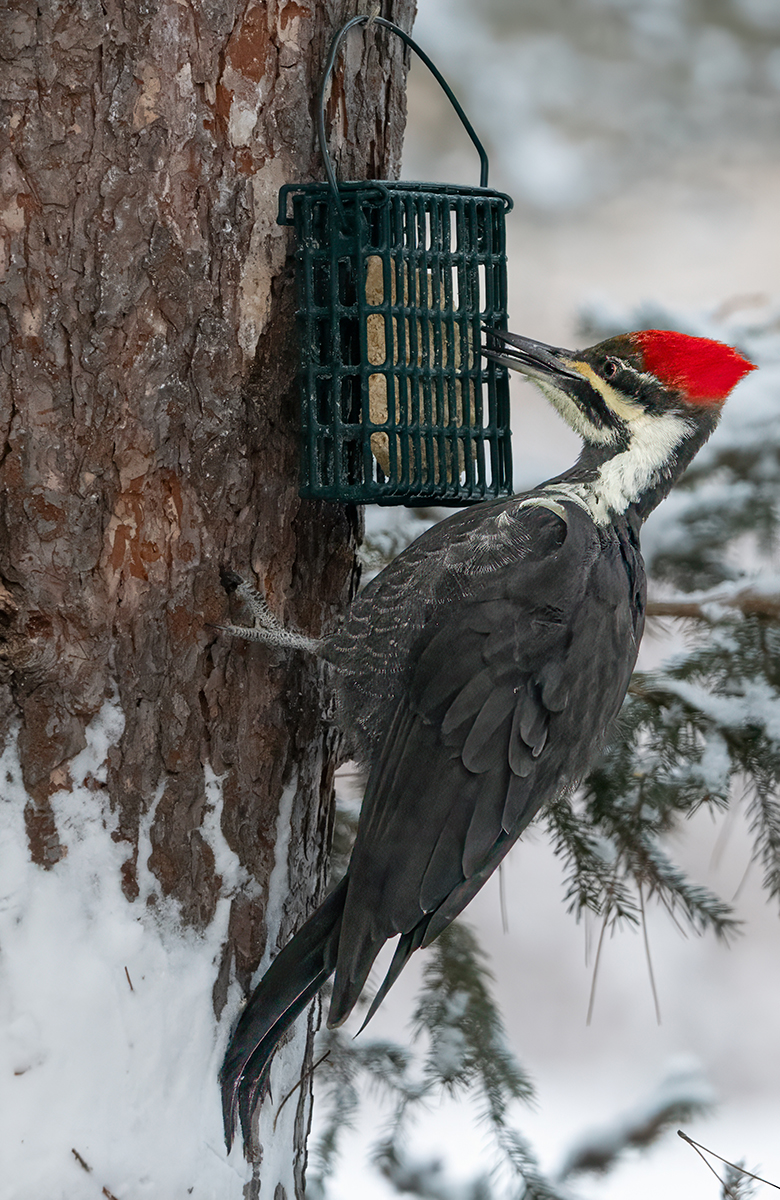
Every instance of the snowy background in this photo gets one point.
(639, 142)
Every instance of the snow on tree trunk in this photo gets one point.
(166, 796)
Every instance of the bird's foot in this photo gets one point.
(266, 626)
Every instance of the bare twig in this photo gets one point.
(301, 1081)
(749, 602)
(81, 1161)
(698, 1148)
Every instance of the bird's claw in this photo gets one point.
(266, 626)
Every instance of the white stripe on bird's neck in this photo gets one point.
(623, 479)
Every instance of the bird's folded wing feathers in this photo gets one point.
(462, 770)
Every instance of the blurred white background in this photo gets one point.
(639, 141)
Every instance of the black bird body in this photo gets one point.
(507, 631)
(478, 675)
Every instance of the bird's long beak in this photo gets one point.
(535, 359)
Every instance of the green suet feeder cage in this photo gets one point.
(396, 283)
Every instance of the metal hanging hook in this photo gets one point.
(372, 19)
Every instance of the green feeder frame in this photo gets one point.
(396, 282)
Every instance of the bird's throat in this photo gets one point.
(606, 484)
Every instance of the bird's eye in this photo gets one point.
(610, 369)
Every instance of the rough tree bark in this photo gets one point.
(149, 424)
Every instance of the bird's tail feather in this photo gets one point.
(293, 979)
(407, 944)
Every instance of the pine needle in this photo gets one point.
(648, 956)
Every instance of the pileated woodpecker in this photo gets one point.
(479, 673)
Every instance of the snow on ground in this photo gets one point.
(108, 1049)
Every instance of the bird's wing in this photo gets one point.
(464, 766)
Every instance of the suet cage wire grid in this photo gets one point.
(396, 281)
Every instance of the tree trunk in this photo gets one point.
(168, 791)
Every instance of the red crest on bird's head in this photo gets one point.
(703, 370)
